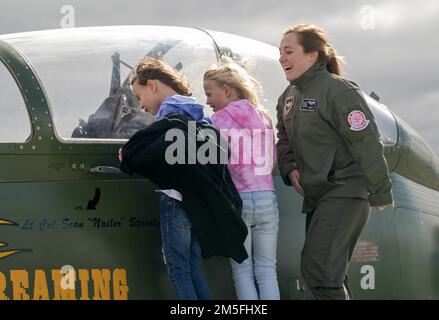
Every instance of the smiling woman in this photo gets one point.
(330, 151)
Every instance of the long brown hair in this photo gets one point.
(156, 69)
(312, 38)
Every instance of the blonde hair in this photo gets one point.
(312, 38)
(156, 69)
(230, 73)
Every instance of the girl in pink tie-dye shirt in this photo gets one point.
(233, 95)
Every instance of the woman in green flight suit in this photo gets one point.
(329, 150)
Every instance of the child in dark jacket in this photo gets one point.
(186, 234)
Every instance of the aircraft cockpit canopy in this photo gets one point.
(84, 73)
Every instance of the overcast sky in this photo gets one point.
(391, 46)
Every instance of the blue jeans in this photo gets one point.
(182, 251)
(260, 214)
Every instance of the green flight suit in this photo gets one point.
(327, 132)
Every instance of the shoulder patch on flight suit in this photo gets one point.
(288, 105)
(308, 105)
(357, 120)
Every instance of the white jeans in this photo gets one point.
(260, 214)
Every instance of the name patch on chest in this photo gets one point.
(309, 105)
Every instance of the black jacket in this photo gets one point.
(210, 198)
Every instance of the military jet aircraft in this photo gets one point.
(72, 226)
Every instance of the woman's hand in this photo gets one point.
(294, 176)
(120, 154)
(381, 208)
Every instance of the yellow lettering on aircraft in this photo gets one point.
(83, 284)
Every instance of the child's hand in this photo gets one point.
(120, 154)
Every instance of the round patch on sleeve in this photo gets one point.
(357, 120)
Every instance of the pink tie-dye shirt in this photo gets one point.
(251, 142)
